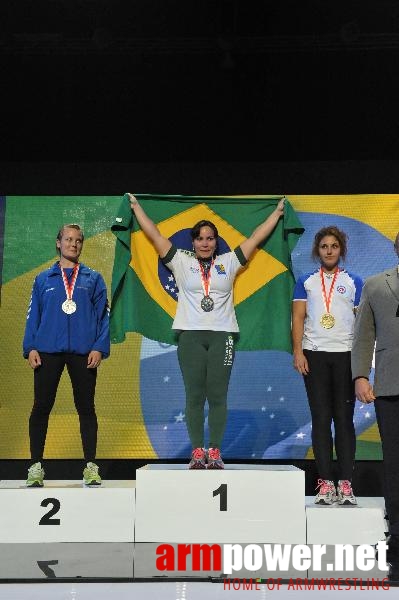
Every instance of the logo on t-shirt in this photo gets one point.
(220, 270)
(341, 289)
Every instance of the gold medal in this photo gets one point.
(327, 321)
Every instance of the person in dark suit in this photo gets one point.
(377, 325)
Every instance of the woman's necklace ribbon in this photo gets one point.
(207, 303)
(327, 320)
(69, 306)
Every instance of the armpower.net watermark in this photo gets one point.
(304, 583)
(271, 564)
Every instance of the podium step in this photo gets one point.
(61, 560)
(66, 511)
(240, 504)
(335, 524)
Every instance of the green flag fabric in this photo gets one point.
(144, 294)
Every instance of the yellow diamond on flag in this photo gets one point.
(262, 268)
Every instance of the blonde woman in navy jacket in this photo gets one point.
(67, 326)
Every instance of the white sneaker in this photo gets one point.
(346, 496)
(35, 475)
(91, 476)
(327, 493)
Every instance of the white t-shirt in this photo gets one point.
(345, 297)
(189, 314)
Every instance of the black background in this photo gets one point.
(199, 95)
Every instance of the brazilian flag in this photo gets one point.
(144, 294)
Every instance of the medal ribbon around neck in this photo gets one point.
(207, 303)
(327, 320)
(206, 278)
(69, 306)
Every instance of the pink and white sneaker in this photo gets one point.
(214, 459)
(327, 493)
(345, 493)
(198, 459)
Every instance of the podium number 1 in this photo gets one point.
(222, 492)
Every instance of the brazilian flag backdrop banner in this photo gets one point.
(140, 393)
(144, 296)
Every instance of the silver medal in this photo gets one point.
(69, 306)
(207, 304)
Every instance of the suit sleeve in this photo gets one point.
(358, 293)
(364, 337)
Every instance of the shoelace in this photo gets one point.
(198, 453)
(346, 488)
(34, 470)
(324, 485)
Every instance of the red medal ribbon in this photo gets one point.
(327, 301)
(206, 278)
(69, 287)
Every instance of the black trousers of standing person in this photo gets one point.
(46, 380)
(387, 412)
(331, 399)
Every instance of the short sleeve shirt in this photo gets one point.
(345, 297)
(186, 270)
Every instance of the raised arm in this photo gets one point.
(262, 231)
(161, 244)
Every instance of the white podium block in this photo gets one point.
(355, 525)
(240, 504)
(59, 560)
(65, 511)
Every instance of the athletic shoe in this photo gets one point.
(35, 475)
(214, 459)
(90, 475)
(327, 493)
(198, 459)
(345, 493)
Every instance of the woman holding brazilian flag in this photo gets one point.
(205, 321)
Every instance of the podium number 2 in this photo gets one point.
(222, 492)
(47, 518)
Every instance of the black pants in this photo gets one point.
(331, 398)
(387, 412)
(46, 380)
